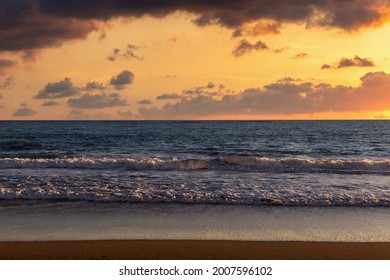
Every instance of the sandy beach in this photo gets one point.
(193, 249)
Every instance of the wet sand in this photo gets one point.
(194, 249)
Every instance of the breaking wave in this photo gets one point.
(234, 163)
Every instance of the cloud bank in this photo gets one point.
(97, 101)
(286, 96)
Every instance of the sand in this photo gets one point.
(193, 249)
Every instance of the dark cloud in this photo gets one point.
(37, 24)
(91, 86)
(350, 62)
(27, 28)
(145, 102)
(49, 104)
(59, 89)
(244, 47)
(168, 96)
(122, 79)
(6, 64)
(97, 101)
(128, 53)
(284, 97)
(24, 112)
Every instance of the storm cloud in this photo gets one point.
(37, 24)
(97, 101)
(57, 90)
(286, 96)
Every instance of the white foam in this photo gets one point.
(238, 163)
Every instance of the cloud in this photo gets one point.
(78, 115)
(24, 27)
(38, 24)
(145, 102)
(351, 62)
(24, 112)
(8, 83)
(260, 27)
(125, 115)
(301, 55)
(168, 96)
(128, 53)
(30, 56)
(92, 86)
(122, 79)
(49, 104)
(244, 47)
(200, 90)
(284, 97)
(59, 89)
(97, 101)
(6, 64)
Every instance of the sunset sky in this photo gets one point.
(195, 59)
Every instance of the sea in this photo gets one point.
(252, 180)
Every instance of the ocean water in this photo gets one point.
(288, 163)
(231, 180)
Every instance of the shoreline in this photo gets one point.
(192, 250)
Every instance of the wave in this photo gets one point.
(146, 194)
(227, 163)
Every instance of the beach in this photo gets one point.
(176, 231)
(193, 250)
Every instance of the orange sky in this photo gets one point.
(196, 62)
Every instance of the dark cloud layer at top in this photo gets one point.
(34, 24)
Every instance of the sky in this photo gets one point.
(194, 59)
